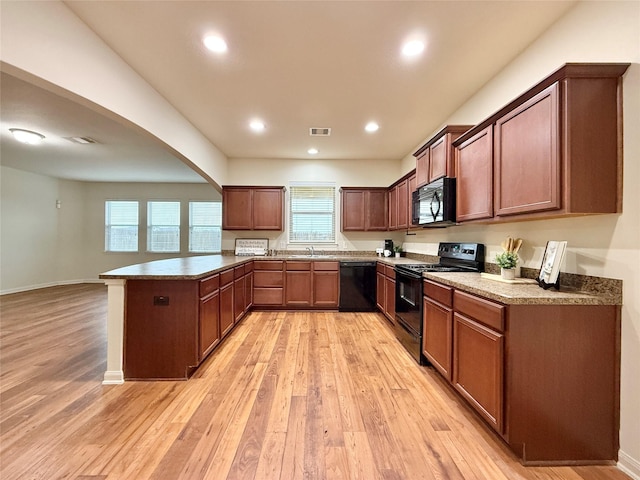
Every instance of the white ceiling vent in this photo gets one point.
(82, 140)
(319, 132)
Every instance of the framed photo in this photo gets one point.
(551, 263)
(252, 246)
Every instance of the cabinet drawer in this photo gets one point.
(295, 265)
(484, 311)
(226, 277)
(238, 272)
(332, 266)
(267, 296)
(209, 285)
(268, 279)
(248, 267)
(390, 271)
(380, 268)
(440, 293)
(268, 265)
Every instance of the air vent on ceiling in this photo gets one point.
(319, 132)
(83, 140)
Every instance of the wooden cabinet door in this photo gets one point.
(474, 170)
(248, 291)
(478, 368)
(437, 336)
(381, 302)
(236, 208)
(403, 204)
(393, 208)
(298, 288)
(375, 213)
(267, 206)
(527, 156)
(412, 183)
(422, 169)
(226, 309)
(238, 298)
(326, 288)
(352, 210)
(438, 159)
(390, 298)
(209, 324)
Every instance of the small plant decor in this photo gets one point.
(507, 260)
(398, 250)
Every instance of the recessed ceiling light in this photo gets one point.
(215, 43)
(372, 127)
(257, 125)
(27, 136)
(413, 48)
(312, 151)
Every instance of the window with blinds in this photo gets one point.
(312, 213)
(121, 226)
(163, 227)
(205, 227)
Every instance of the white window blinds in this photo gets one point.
(205, 227)
(121, 226)
(163, 226)
(312, 213)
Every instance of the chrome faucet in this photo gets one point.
(311, 252)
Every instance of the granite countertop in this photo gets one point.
(194, 268)
(607, 291)
(521, 294)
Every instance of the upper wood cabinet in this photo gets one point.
(435, 158)
(474, 181)
(556, 149)
(363, 209)
(400, 202)
(252, 208)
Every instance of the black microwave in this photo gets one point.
(434, 204)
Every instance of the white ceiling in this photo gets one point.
(294, 64)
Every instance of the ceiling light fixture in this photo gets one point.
(312, 151)
(215, 43)
(257, 125)
(413, 48)
(372, 127)
(27, 136)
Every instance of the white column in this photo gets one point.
(115, 331)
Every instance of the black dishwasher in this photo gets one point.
(357, 286)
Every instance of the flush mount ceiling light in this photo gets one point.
(257, 125)
(215, 43)
(372, 127)
(27, 136)
(312, 151)
(413, 48)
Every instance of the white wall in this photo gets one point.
(41, 245)
(607, 245)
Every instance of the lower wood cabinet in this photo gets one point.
(227, 316)
(326, 284)
(544, 377)
(298, 284)
(386, 291)
(209, 335)
(268, 283)
(437, 337)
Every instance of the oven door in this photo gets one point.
(409, 302)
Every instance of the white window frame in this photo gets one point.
(311, 241)
(109, 227)
(216, 227)
(169, 227)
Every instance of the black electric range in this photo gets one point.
(453, 257)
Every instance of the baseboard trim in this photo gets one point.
(629, 465)
(28, 288)
(113, 377)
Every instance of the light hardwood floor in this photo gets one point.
(287, 396)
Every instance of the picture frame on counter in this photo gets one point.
(551, 263)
